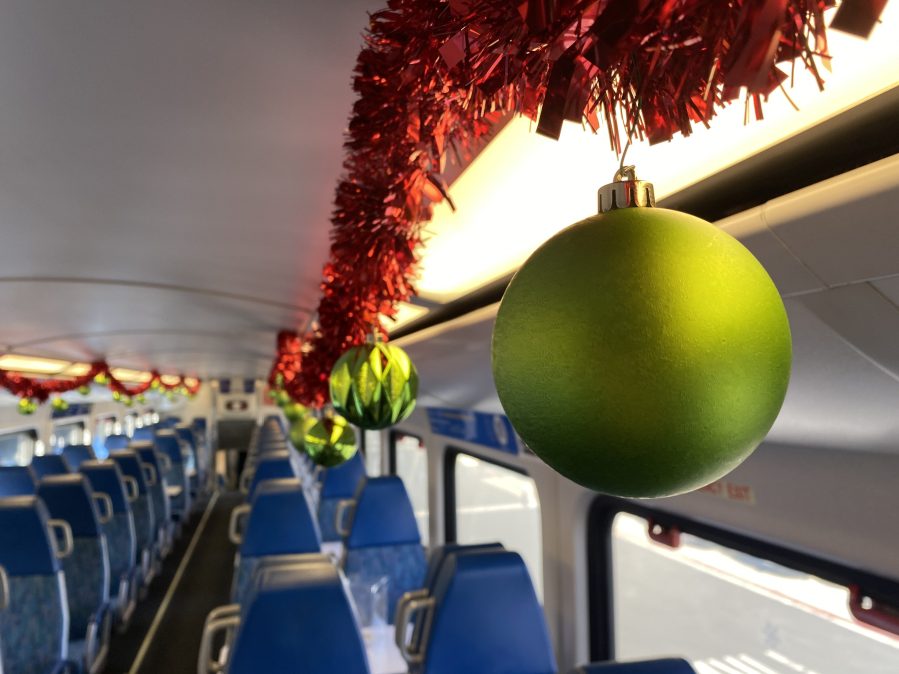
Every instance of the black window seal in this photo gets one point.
(395, 435)
(603, 511)
(450, 531)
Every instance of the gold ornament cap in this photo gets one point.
(626, 192)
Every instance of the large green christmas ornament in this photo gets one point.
(329, 441)
(641, 352)
(374, 385)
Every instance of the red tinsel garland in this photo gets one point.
(436, 75)
(40, 390)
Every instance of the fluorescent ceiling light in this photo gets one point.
(169, 379)
(133, 376)
(405, 314)
(523, 188)
(76, 370)
(191, 382)
(32, 365)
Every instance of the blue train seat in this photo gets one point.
(17, 481)
(384, 541)
(49, 464)
(159, 498)
(273, 422)
(121, 538)
(288, 625)
(270, 467)
(69, 498)
(278, 522)
(338, 484)
(485, 618)
(441, 553)
(142, 511)
(663, 666)
(37, 588)
(143, 434)
(191, 462)
(76, 454)
(117, 441)
(167, 443)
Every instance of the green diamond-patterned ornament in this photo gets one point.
(374, 385)
(329, 441)
(294, 412)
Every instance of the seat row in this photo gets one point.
(81, 539)
(467, 608)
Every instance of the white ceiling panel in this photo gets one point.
(190, 144)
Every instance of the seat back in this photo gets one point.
(69, 498)
(49, 464)
(121, 537)
(116, 441)
(273, 466)
(36, 619)
(280, 523)
(438, 556)
(76, 454)
(17, 481)
(143, 434)
(141, 508)
(663, 666)
(384, 539)
(157, 485)
(292, 615)
(487, 618)
(167, 443)
(338, 483)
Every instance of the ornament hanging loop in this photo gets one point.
(626, 192)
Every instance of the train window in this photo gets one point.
(371, 443)
(488, 502)
(67, 434)
(16, 449)
(105, 427)
(409, 460)
(129, 423)
(728, 611)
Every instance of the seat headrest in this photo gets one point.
(342, 481)
(17, 481)
(147, 454)
(662, 666)
(75, 454)
(199, 422)
(49, 464)
(145, 433)
(488, 618)
(117, 441)
(106, 478)
(271, 468)
(69, 498)
(280, 521)
(441, 553)
(25, 545)
(167, 442)
(291, 616)
(383, 515)
(129, 463)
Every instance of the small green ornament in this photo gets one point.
(298, 430)
(117, 396)
(329, 441)
(141, 399)
(294, 412)
(59, 405)
(374, 385)
(84, 390)
(27, 406)
(127, 401)
(101, 379)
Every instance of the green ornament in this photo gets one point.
(59, 405)
(374, 385)
(155, 385)
(298, 430)
(27, 406)
(84, 390)
(294, 412)
(141, 398)
(127, 401)
(117, 396)
(101, 379)
(329, 441)
(280, 398)
(642, 352)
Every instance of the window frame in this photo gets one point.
(29, 431)
(71, 421)
(601, 516)
(395, 435)
(450, 454)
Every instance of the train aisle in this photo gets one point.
(165, 634)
